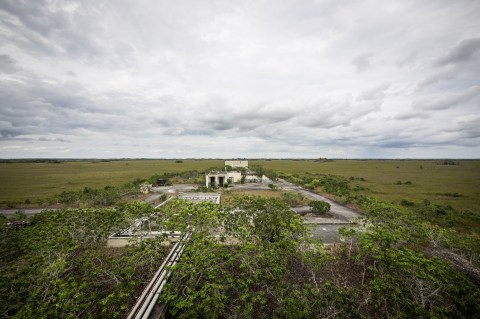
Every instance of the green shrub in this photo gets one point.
(309, 186)
(273, 187)
(293, 198)
(406, 203)
(319, 206)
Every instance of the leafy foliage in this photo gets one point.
(319, 206)
(252, 258)
(250, 278)
(392, 247)
(107, 196)
(293, 198)
(57, 267)
(333, 184)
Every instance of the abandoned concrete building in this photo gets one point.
(220, 178)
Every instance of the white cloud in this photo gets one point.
(228, 79)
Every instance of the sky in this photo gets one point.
(239, 79)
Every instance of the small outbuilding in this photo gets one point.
(219, 178)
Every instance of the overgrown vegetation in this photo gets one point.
(251, 258)
(398, 252)
(276, 269)
(186, 177)
(108, 196)
(460, 228)
(58, 265)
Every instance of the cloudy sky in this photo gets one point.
(280, 78)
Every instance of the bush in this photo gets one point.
(309, 186)
(337, 185)
(293, 198)
(319, 206)
(273, 187)
(407, 203)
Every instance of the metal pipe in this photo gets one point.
(151, 293)
(149, 286)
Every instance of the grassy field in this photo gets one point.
(21, 181)
(455, 185)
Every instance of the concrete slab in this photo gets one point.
(328, 233)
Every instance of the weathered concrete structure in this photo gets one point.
(219, 178)
(253, 178)
(135, 233)
(201, 197)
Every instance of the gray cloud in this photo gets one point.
(411, 115)
(7, 64)
(375, 93)
(468, 126)
(448, 100)
(363, 61)
(464, 51)
(61, 140)
(442, 75)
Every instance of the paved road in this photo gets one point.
(340, 211)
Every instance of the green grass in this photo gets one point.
(428, 179)
(21, 181)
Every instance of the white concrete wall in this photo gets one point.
(237, 177)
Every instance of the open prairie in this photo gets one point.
(394, 180)
(21, 181)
